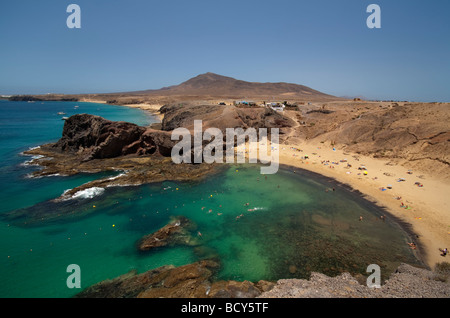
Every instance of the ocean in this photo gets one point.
(260, 227)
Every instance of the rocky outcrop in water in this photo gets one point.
(188, 281)
(197, 280)
(176, 232)
(93, 137)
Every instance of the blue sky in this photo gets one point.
(145, 44)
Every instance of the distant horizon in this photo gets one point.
(123, 92)
(141, 45)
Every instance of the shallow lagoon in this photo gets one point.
(290, 227)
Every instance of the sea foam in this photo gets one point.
(88, 193)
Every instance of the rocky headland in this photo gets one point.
(93, 144)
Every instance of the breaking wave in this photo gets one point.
(87, 193)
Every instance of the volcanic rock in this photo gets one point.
(96, 138)
(187, 281)
(174, 233)
(93, 137)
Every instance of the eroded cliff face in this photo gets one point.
(93, 137)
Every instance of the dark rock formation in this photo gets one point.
(175, 233)
(93, 137)
(161, 140)
(188, 281)
(23, 98)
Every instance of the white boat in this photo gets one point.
(61, 113)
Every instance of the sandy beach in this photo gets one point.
(152, 108)
(424, 197)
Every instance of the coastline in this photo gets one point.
(361, 185)
(427, 205)
(151, 108)
(364, 200)
(426, 214)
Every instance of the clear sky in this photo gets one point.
(149, 44)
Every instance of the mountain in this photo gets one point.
(207, 86)
(214, 85)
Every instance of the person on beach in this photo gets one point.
(444, 252)
(412, 245)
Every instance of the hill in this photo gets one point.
(207, 86)
(210, 84)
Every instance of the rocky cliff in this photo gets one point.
(93, 137)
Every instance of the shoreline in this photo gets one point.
(153, 109)
(365, 200)
(424, 217)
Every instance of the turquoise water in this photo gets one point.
(280, 226)
(25, 125)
